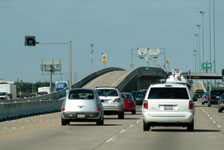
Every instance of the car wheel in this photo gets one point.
(202, 103)
(100, 121)
(133, 112)
(209, 104)
(64, 122)
(219, 110)
(190, 127)
(121, 115)
(146, 126)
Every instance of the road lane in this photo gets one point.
(45, 132)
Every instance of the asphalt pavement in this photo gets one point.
(46, 133)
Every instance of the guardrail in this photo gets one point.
(43, 104)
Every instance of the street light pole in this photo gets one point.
(214, 36)
(92, 50)
(199, 46)
(195, 54)
(203, 51)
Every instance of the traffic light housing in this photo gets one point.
(30, 41)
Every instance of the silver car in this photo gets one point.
(112, 101)
(82, 105)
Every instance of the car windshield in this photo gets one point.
(168, 93)
(107, 92)
(81, 94)
(139, 94)
(217, 92)
(126, 96)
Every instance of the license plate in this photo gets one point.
(168, 107)
(80, 115)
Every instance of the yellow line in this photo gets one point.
(28, 129)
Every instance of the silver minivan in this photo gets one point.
(82, 105)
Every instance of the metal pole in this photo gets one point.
(51, 81)
(214, 36)
(92, 50)
(210, 37)
(70, 63)
(203, 55)
(196, 35)
(69, 57)
(199, 46)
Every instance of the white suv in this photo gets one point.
(111, 100)
(168, 104)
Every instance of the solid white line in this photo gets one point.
(131, 126)
(109, 140)
(120, 78)
(122, 131)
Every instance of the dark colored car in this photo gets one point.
(129, 102)
(199, 93)
(221, 103)
(138, 96)
(215, 96)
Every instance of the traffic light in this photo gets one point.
(30, 41)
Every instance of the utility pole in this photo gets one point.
(199, 46)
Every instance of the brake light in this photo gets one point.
(209, 97)
(145, 104)
(117, 100)
(98, 108)
(205, 97)
(63, 108)
(191, 105)
(221, 102)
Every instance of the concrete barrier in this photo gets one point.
(43, 104)
(23, 109)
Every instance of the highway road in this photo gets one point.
(44, 132)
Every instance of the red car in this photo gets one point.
(129, 102)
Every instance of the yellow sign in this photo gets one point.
(166, 61)
(104, 58)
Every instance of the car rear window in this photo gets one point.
(217, 92)
(81, 94)
(126, 96)
(139, 94)
(107, 92)
(168, 93)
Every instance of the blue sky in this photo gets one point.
(113, 26)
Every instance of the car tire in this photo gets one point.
(219, 110)
(146, 126)
(64, 122)
(190, 127)
(100, 121)
(121, 115)
(202, 103)
(133, 112)
(209, 104)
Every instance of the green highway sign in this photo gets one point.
(207, 66)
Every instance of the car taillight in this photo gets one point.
(63, 108)
(209, 97)
(205, 97)
(117, 100)
(221, 102)
(191, 105)
(145, 104)
(98, 108)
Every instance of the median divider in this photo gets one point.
(43, 104)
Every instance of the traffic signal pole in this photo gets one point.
(69, 57)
